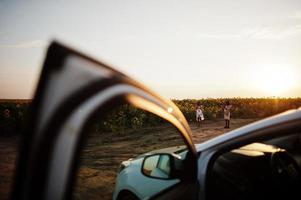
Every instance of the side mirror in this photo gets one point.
(161, 166)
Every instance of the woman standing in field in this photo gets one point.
(227, 114)
(199, 114)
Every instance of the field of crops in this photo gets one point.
(13, 113)
(242, 107)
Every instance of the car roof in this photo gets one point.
(286, 116)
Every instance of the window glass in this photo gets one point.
(164, 164)
(150, 164)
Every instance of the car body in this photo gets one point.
(62, 108)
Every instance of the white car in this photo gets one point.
(154, 176)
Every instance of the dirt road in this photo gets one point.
(211, 129)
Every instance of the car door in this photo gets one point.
(71, 88)
(258, 161)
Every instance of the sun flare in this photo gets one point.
(274, 80)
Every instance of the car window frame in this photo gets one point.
(36, 152)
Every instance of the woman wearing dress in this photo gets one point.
(199, 115)
(227, 113)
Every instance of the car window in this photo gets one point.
(150, 164)
(164, 164)
(110, 160)
(269, 169)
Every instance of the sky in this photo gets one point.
(181, 49)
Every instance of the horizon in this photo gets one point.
(192, 99)
(181, 50)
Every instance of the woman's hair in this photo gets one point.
(227, 102)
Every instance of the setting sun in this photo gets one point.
(274, 80)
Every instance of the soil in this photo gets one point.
(103, 153)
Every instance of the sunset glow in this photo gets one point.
(274, 80)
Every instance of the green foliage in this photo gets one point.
(127, 117)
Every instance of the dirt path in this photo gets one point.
(211, 129)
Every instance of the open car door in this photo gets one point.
(71, 88)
